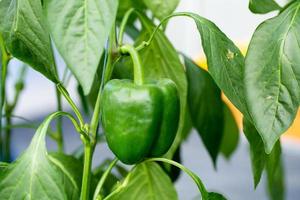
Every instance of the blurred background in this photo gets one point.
(233, 177)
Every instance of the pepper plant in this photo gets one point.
(143, 97)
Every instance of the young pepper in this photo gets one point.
(139, 119)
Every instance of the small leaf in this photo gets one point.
(275, 174)
(206, 107)
(145, 181)
(257, 152)
(231, 133)
(259, 159)
(215, 196)
(26, 36)
(272, 75)
(161, 8)
(263, 6)
(38, 175)
(80, 33)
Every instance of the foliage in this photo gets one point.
(88, 34)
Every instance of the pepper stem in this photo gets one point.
(137, 67)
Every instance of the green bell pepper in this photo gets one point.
(139, 119)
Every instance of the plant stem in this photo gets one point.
(89, 147)
(7, 137)
(60, 140)
(100, 184)
(196, 179)
(9, 109)
(85, 188)
(4, 63)
(137, 67)
(148, 42)
(123, 26)
(65, 93)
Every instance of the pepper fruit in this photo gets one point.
(139, 119)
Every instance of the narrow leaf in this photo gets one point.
(215, 196)
(257, 152)
(275, 175)
(206, 107)
(260, 160)
(263, 6)
(38, 175)
(80, 33)
(161, 8)
(26, 37)
(272, 75)
(145, 181)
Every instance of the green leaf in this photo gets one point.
(260, 160)
(145, 181)
(161, 8)
(38, 175)
(272, 75)
(125, 5)
(275, 174)
(215, 196)
(257, 152)
(263, 6)
(70, 169)
(26, 36)
(224, 59)
(231, 133)
(80, 33)
(206, 107)
(3, 166)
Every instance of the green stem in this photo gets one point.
(148, 42)
(65, 93)
(137, 67)
(123, 26)
(7, 138)
(195, 178)
(89, 147)
(97, 195)
(85, 188)
(5, 58)
(60, 140)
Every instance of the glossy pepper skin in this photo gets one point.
(169, 118)
(140, 119)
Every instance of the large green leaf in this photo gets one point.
(38, 175)
(147, 181)
(263, 6)
(26, 36)
(206, 107)
(161, 8)
(80, 33)
(272, 74)
(231, 133)
(224, 59)
(260, 161)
